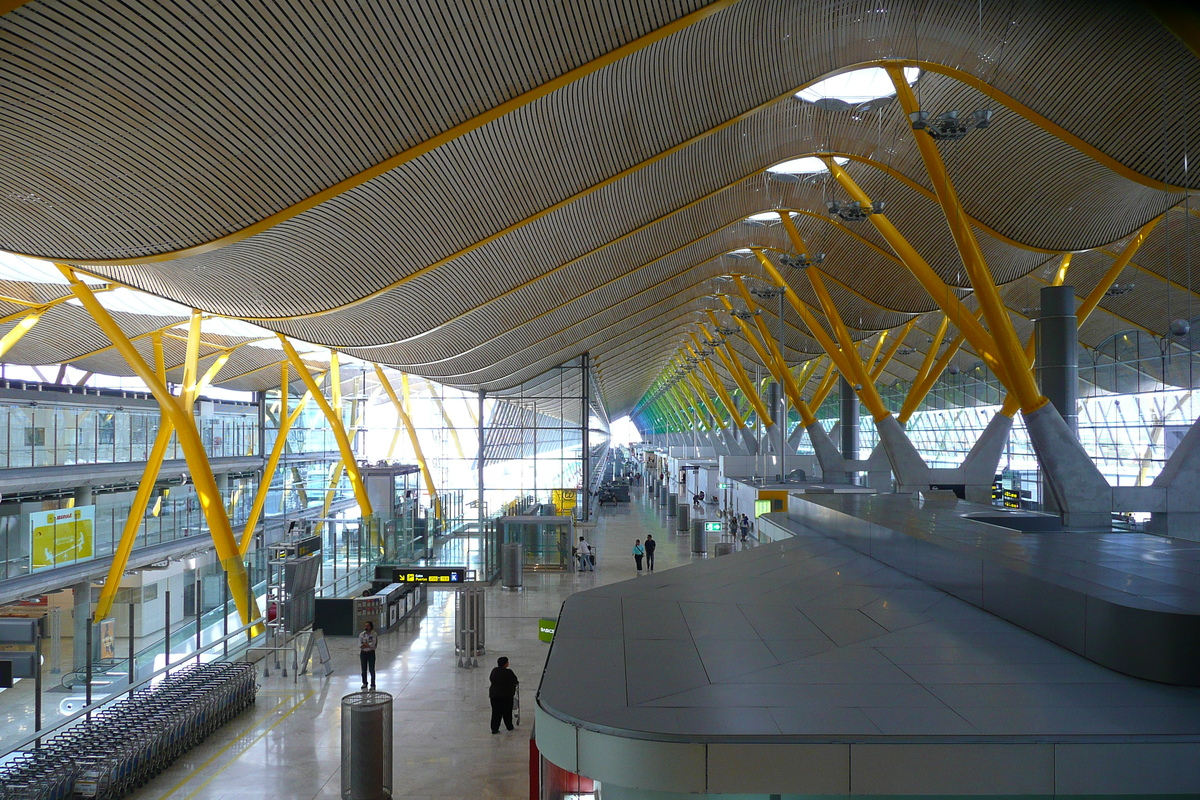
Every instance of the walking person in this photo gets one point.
(586, 562)
(368, 640)
(638, 552)
(745, 527)
(650, 545)
(502, 688)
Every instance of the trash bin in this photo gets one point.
(685, 515)
(672, 504)
(512, 563)
(722, 548)
(662, 494)
(699, 537)
(367, 746)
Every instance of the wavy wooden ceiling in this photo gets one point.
(565, 177)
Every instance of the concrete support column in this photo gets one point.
(83, 496)
(771, 399)
(1058, 352)
(848, 405)
(82, 593)
(833, 466)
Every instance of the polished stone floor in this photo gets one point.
(288, 746)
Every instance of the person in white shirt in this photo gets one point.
(368, 640)
(586, 562)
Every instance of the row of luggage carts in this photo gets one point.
(126, 744)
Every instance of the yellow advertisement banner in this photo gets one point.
(564, 500)
(61, 537)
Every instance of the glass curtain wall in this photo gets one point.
(1136, 403)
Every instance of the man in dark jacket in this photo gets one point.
(650, 545)
(501, 692)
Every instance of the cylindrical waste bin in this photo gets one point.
(699, 537)
(662, 494)
(672, 504)
(367, 746)
(512, 562)
(722, 548)
(685, 516)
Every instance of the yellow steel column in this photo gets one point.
(335, 422)
(877, 369)
(705, 399)
(738, 372)
(141, 498)
(1114, 272)
(845, 356)
(771, 357)
(807, 370)
(688, 409)
(137, 511)
(286, 421)
(937, 290)
(825, 386)
(339, 466)
(448, 422)
(193, 448)
(23, 327)
(718, 387)
(1004, 337)
(931, 353)
(412, 437)
(1092, 300)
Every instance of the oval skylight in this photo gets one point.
(808, 165)
(764, 218)
(233, 327)
(33, 270)
(853, 88)
(128, 301)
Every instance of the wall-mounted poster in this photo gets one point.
(61, 537)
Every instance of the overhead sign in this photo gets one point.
(762, 507)
(61, 537)
(546, 628)
(712, 527)
(432, 575)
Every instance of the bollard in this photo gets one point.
(512, 558)
(367, 746)
(699, 538)
(684, 512)
(672, 504)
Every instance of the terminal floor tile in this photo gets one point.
(288, 746)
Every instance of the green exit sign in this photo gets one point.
(712, 527)
(724, 485)
(546, 628)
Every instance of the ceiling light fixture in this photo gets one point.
(853, 210)
(1118, 289)
(949, 126)
(801, 261)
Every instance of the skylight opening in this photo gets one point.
(764, 218)
(808, 165)
(127, 301)
(32, 270)
(858, 86)
(221, 326)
